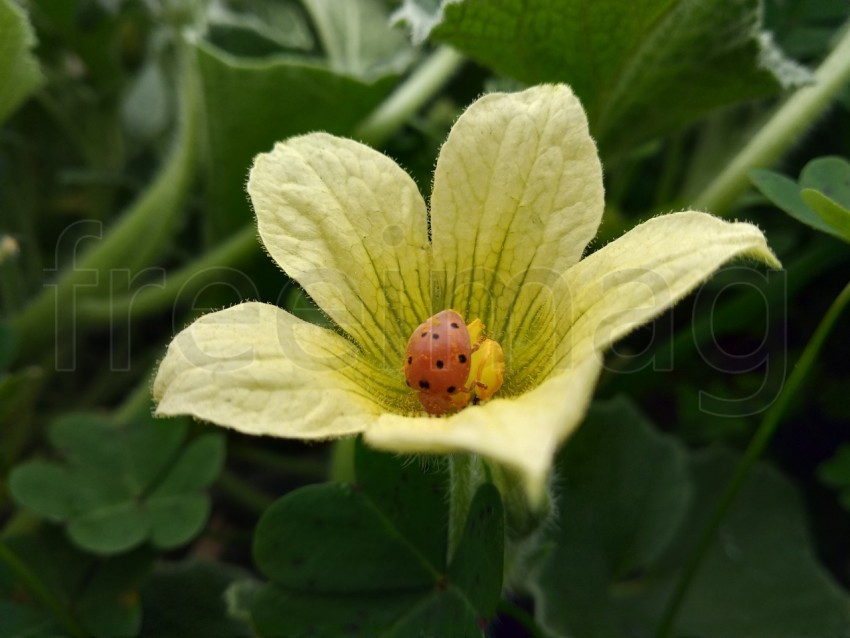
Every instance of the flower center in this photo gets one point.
(451, 365)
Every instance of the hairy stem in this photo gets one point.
(409, 97)
(187, 281)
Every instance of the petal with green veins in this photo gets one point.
(517, 193)
(638, 276)
(256, 368)
(349, 225)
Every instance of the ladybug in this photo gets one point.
(437, 362)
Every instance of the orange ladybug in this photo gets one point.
(437, 362)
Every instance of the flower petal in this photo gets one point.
(260, 370)
(517, 196)
(635, 278)
(523, 432)
(349, 225)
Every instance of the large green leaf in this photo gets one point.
(634, 504)
(369, 559)
(122, 485)
(761, 576)
(253, 103)
(641, 69)
(624, 490)
(18, 67)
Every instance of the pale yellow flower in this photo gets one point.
(517, 196)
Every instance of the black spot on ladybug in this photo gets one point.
(440, 363)
(409, 360)
(454, 325)
(435, 336)
(424, 384)
(424, 334)
(451, 389)
(461, 358)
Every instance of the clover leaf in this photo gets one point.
(821, 199)
(370, 559)
(117, 486)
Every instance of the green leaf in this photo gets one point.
(18, 66)
(277, 611)
(369, 559)
(761, 576)
(835, 472)
(624, 492)
(394, 487)
(641, 70)
(109, 528)
(119, 486)
(198, 466)
(831, 212)
(277, 98)
(101, 593)
(477, 565)
(623, 555)
(831, 176)
(299, 544)
(821, 199)
(188, 599)
(176, 520)
(785, 194)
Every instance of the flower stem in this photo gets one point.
(41, 592)
(186, 281)
(781, 131)
(466, 474)
(754, 451)
(409, 97)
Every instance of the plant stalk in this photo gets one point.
(409, 97)
(780, 132)
(760, 440)
(187, 281)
